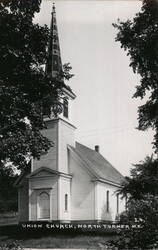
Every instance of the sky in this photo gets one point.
(104, 111)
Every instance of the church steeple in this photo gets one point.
(54, 63)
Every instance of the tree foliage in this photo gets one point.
(144, 214)
(139, 38)
(13, 245)
(141, 188)
(8, 193)
(25, 90)
(143, 180)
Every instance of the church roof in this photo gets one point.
(98, 164)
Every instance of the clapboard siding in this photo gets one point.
(61, 133)
(66, 137)
(64, 188)
(82, 192)
(50, 159)
(101, 201)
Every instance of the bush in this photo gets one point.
(144, 214)
(11, 246)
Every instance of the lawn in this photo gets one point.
(56, 239)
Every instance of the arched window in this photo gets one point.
(44, 205)
(107, 201)
(65, 108)
(66, 202)
(117, 203)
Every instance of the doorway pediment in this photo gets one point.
(43, 172)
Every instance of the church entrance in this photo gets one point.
(43, 206)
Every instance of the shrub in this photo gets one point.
(14, 245)
(142, 213)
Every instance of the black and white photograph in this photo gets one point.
(78, 124)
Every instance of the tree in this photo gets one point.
(25, 90)
(139, 38)
(142, 218)
(8, 193)
(143, 180)
(141, 188)
(142, 206)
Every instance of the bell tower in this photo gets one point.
(59, 129)
(54, 65)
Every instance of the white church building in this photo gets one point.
(71, 182)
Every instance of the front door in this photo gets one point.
(44, 206)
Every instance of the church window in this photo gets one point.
(55, 46)
(55, 52)
(66, 202)
(107, 200)
(54, 32)
(54, 26)
(65, 108)
(44, 205)
(55, 41)
(117, 203)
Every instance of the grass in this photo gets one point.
(62, 241)
(55, 239)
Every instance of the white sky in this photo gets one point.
(104, 112)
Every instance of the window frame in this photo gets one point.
(66, 202)
(107, 201)
(117, 203)
(39, 217)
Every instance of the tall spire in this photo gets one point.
(54, 63)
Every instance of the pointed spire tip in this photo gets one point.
(53, 8)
